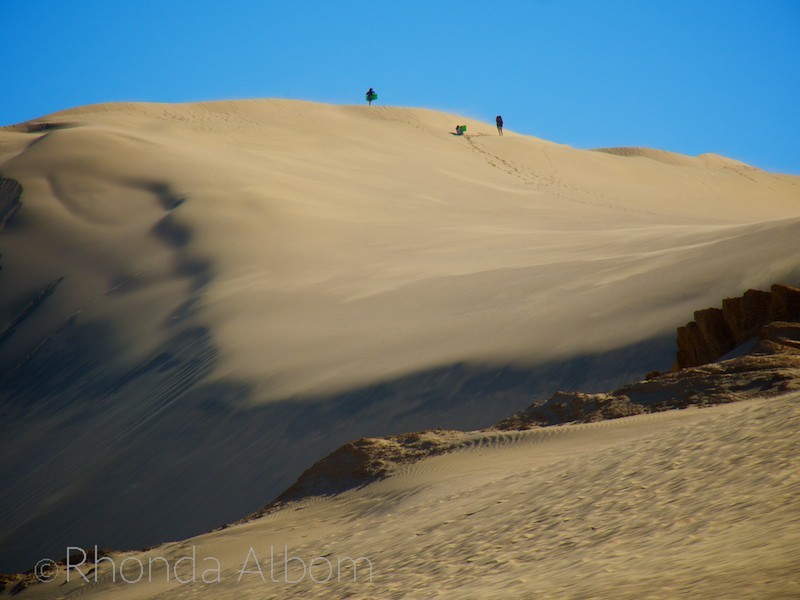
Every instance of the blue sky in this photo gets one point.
(690, 76)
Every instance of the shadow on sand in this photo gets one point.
(129, 458)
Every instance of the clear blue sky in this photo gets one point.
(690, 76)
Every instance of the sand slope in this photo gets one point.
(337, 231)
(699, 502)
(198, 301)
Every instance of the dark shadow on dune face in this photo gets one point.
(10, 200)
(45, 129)
(163, 192)
(28, 307)
(470, 396)
(91, 452)
(168, 199)
(44, 126)
(170, 231)
(177, 236)
(77, 426)
(185, 311)
(47, 376)
(198, 270)
(39, 127)
(123, 284)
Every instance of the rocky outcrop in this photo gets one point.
(744, 316)
(771, 368)
(368, 459)
(779, 338)
(719, 383)
(572, 407)
(715, 332)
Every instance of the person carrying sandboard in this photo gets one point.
(371, 95)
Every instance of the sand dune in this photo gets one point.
(681, 160)
(700, 502)
(198, 301)
(303, 221)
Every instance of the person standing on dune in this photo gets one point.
(499, 121)
(371, 95)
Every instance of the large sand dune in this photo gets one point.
(199, 301)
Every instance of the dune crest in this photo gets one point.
(663, 156)
(216, 195)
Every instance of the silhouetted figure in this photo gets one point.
(371, 95)
(499, 121)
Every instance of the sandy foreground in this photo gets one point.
(701, 503)
(199, 301)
